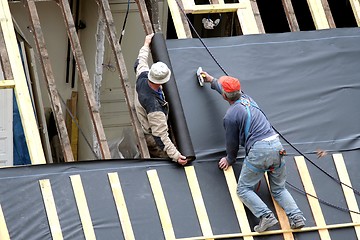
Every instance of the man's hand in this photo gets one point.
(182, 160)
(207, 77)
(148, 39)
(223, 164)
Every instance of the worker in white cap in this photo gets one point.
(151, 107)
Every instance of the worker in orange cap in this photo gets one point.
(246, 125)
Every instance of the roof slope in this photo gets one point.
(308, 85)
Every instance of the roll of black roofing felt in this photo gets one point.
(176, 114)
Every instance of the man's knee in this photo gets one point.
(241, 191)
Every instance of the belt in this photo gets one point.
(273, 137)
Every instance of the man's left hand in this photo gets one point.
(223, 164)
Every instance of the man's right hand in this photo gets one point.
(207, 77)
(148, 39)
(182, 160)
(223, 164)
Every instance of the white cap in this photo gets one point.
(159, 73)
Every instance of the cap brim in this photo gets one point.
(161, 81)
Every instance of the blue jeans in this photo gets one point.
(262, 156)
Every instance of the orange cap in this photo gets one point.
(229, 84)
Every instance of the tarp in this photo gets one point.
(308, 85)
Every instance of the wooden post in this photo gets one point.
(318, 14)
(50, 81)
(290, 15)
(180, 22)
(355, 4)
(120, 62)
(85, 79)
(144, 16)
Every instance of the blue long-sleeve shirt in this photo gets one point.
(235, 123)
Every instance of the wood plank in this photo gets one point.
(318, 14)
(215, 8)
(4, 58)
(314, 203)
(26, 69)
(5, 84)
(283, 219)
(121, 206)
(275, 232)
(238, 205)
(188, 4)
(215, 1)
(82, 207)
(247, 19)
(328, 13)
(50, 81)
(161, 204)
(50, 208)
(21, 90)
(257, 16)
(85, 79)
(124, 77)
(198, 201)
(4, 232)
(181, 25)
(355, 4)
(74, 127)
(145, 19)
(39, 105)
(348, 192)
(290, 16)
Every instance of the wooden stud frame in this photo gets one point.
(21, 90)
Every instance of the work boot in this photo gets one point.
(298, 221)
(266, 222)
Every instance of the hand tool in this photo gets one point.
(200, 76)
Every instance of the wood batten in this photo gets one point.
(348, 191)
(50, 208)
(313, 201)
(5, 84)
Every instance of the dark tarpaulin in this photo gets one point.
(307, 83)
(26, 218)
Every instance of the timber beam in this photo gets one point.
(214, 8)
(7, 84)
(85, 79)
